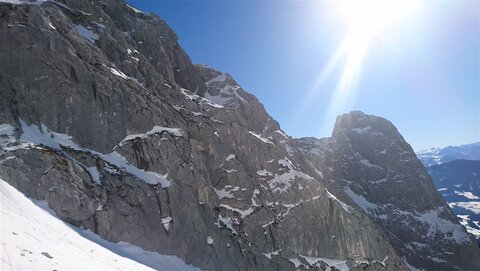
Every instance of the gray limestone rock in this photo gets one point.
(371, 162)
(105, 117)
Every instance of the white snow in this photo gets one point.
(230, 157)
(471, 230)
(33, 135)
(149, 177)
(361, 201)
(210, 240)
(432, 219)
(337, 263)
(273, 253)
(473, 206)
(114, 70)
(442, 189)
(437, 224)
(226, 192)
(264, 173)
(463, 219)
(228, 222)
(367, 163)
(281, 133)
(86, 33)
(23, 2)
(166, 222)
(218, 99)
(296, 262)
(477, 223)
(383, 263)
(466, 194)
(134, 9)
(319, 173)
(343, 204)
(94, 173)
(99, 207)
(383, 180)
(242, 213)
(155, 130)
(194, 97)
(28, 230)
(118, 73)
(285, 162)
(197, 114)
(263, 139)
(436, 259)
(226, 93)
(281, 183)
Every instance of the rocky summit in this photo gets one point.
(105, 118)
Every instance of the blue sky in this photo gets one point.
(423, 73)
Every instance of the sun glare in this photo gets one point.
(372, 16)
(367, 21)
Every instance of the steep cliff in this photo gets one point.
(369, 160)
(105, 117)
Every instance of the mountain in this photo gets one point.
(105, 118)
(459, 183)
(369, 160)
(436, 156)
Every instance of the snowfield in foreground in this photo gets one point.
(32, 238)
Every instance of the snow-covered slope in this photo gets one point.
(33, 238)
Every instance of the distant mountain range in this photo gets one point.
(455, 171)
(437, 156)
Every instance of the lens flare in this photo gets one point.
(367, 21)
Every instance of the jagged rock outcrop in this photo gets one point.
(105, 117)
(370, 161)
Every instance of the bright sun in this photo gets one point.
(367, 21)
(369, 17)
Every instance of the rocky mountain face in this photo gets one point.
(369, 160)
(105, 118)
(459, 183)
(437, 156)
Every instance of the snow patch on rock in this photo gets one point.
(155, 130)
(42, 136)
